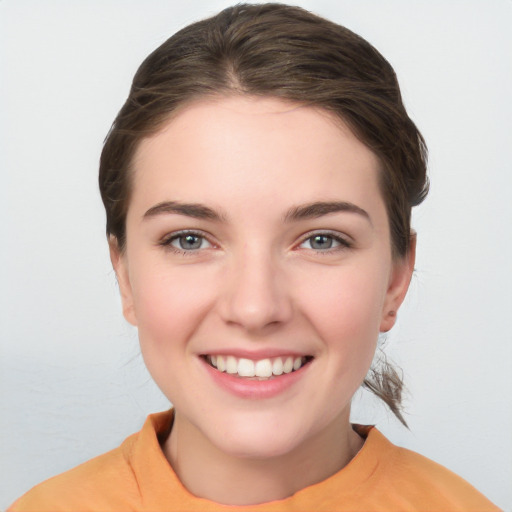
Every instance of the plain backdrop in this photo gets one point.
(73, 384)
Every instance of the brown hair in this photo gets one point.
(284, 52)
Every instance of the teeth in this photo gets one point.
(277, 366)
(264, 368)
(288, 365)
(246, 368)
(231, 365)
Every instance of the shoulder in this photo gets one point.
(118, 480)
(94, 485)
(420, 481)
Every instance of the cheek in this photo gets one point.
(346, 303)
(168, 305)
(346, 313)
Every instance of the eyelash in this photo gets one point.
(167, 241)
(335, 237)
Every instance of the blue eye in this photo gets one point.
(321, 242)
(324, 242)
(186, 242)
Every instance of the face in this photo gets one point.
(258, 270)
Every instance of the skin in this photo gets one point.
(256, 283)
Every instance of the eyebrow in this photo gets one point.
(195, 210)
(301, 212)
(321, 208)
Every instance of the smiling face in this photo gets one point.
(259, 271)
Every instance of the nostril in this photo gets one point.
(254, 297)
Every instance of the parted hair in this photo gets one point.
(280, 51)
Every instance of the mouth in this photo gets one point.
(262, 369)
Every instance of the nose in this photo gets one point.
(255, 295)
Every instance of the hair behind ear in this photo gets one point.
(385, 382)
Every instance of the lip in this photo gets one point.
(254, 389)
(255, 355)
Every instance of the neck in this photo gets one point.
(210, 473)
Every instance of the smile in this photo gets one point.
(262, 369)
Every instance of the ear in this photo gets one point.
(120, 264)
(400, 279)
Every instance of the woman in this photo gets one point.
(258, 184)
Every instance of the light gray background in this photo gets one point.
(72, 382)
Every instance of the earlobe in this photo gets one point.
(398, 285)
(119, 262)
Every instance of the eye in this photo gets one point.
(186, 242)
(324, 242)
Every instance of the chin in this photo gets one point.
(260, 437)
(262, 447)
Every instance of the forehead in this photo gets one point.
(208, 119)
(242, 146)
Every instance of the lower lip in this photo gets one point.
(255, 389)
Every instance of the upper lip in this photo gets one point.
(255, 355)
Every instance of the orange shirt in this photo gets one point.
(137, 477)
